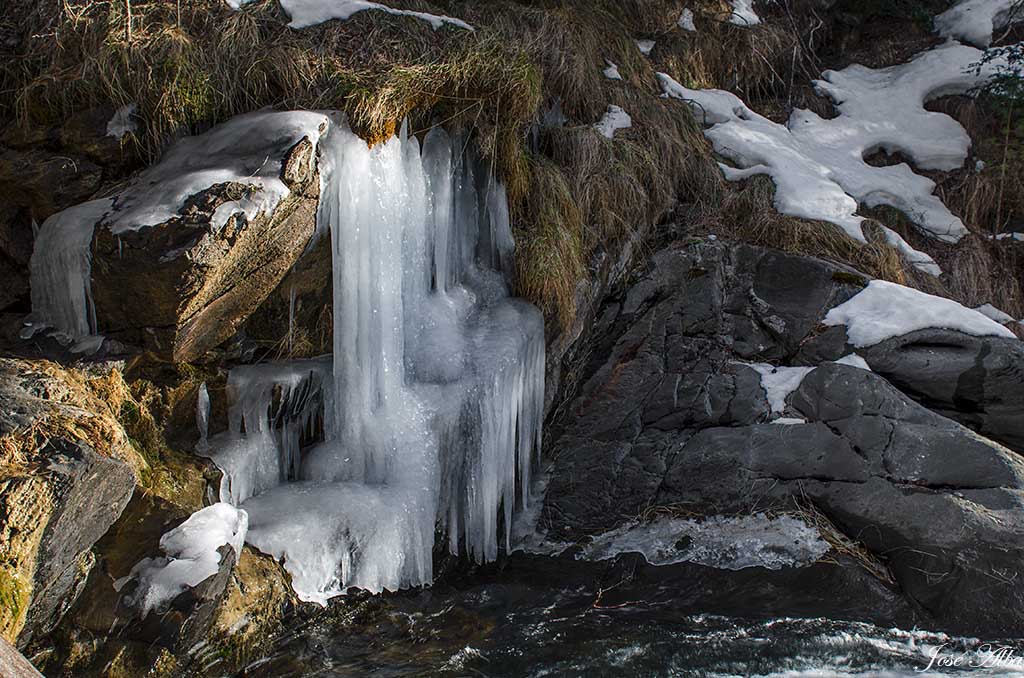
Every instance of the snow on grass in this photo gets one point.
(779, 382)
(306, 13)
(686, 21)
(884, 310)
(123, 122)
(614, 119)
(720, 542)
(818, 165)
(743, 13)
(975, 21)
(612, 71)
(1014, 237)
(191, 556)
(645, 46)
(993, 313)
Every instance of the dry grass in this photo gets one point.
(842, 544)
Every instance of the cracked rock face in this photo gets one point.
(669, 416)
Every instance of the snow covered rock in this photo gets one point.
(178, 259)
(818, 164)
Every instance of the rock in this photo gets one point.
(45, 182)
(13, 665)
(978, 381)
(190, 248)
(67, 469)
(669, 417)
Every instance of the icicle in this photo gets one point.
(432, 402)
(203, 417)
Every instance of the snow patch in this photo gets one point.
(884, 310)
(191, 556)
(818, 165)
(645, 46)
(686, 21)
(975, 21)
(306, 13)
(993, 313)
(123, 122)
(779, 382)
(612, 71)
(743, 13)
(854, 360)
(720, 542)
(614, 119)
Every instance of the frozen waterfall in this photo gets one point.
(428, 414)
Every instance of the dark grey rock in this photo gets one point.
(668, 417)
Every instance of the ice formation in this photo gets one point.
(614, 119)
(975, 21)
(191, 556)
(429, 411)
(203, 415)
(884, 310)
(725, 543)
(305, 13)
(612, 71)
(818, 164)
(743, 13)
(249, 149)
(686, 21)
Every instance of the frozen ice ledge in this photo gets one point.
(424, 422)
(426, 419)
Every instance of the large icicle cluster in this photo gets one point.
(431, 405)
(248, 149)
(818, 165)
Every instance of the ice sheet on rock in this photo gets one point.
(645, 46)
(248, 149)
(720, 542)
(614, 119)
(306, 13)
(884, 310)
(123, 122)
(611, 71)
(818, 164)
(778, 382)
(743, 13)
(993, 313)
(431, 405)
(190, 556)
(975, 21)
(686, 21)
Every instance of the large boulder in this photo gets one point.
(190, 248)
(673, 414)
(978, 381)
(67, 470)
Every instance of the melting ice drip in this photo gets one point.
(431, 404)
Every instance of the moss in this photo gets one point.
(14, 598)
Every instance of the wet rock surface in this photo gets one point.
(668, 416)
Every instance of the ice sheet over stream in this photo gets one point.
(428, 413)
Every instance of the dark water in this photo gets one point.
(530, 623)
